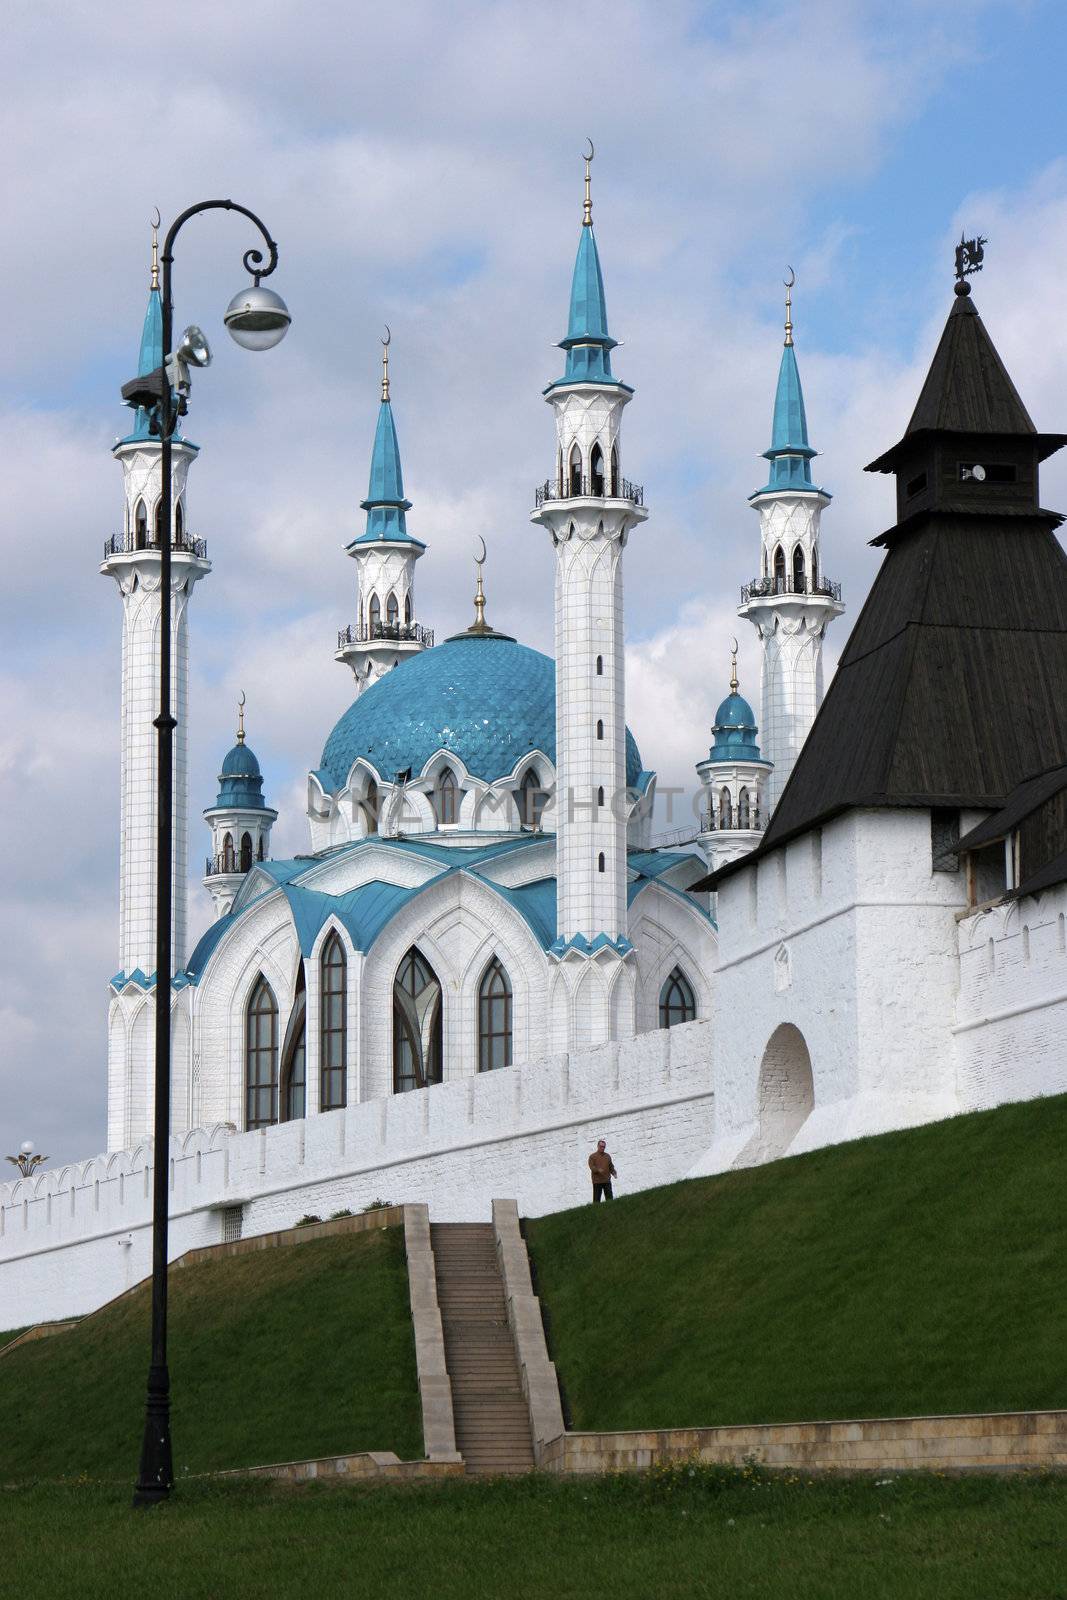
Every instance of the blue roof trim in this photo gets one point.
(372, 537)
(535, 903)
(654, 863)
(641, 884)
(580, 945)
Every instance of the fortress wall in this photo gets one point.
(74, 1237)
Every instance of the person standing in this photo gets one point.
(602, 1170)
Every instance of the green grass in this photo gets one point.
(12, 1333)
(916, 1272)
(718, 1533)
(279, 1355)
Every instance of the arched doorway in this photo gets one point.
(417, 1031)
(785, 1096)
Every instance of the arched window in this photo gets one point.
(158, 521)
(576, 470)
(600, 795)
(596, 470)
(294, 1057)
(392, 610)
(600, 666)
(725, 809)
(446, 798)
(601, 863)
(676, 1000)
(744, 810)
(559, 473)
(261, 852)
(532, 799)
(407, 611)
(140, 526)
(779, 568)
(416, 1025)
(261, 1057)
(333, 1025)
(614, 469)
(814, 567)
(599, 729)
(246, 852)
(229, 860)
(370, 805)
(375, 617)
(798, 570)
(359, 618)
(179, 523)
(494, 1018)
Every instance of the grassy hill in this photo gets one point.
(278, 1355)
(912, 1273)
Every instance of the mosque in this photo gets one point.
(486, 959)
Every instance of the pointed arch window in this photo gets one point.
(446, 798)
(417, 1032)
(559, 473)
(261, 1056)
(261, 851)
(179, 523)
(599, 729)
(814, 568)
(779, 568)
(600, 795)
(140, 526)
(601, 862)
(333, 1024)
(158, 522)
(596, 470)
(247, 854)
(392, 611)
(494, 1018)
(744, 810)
(375, 617)
(229, 860)
(294, 1057)
(726, 819)
(600, 666)
(614, 469)
(677, 1002)
(370, 805)
(407, 611)
(798, 570)
(532, 799)
(575, 470)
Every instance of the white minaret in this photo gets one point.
(240, 821)
(133, 559)
(589, 510)
(385, 630)
(791, 604)
(734, 778)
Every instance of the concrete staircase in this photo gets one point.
(491, 1416)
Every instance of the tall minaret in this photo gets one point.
(589, 509)
(791, 603)
(385, 630)
(133, 559)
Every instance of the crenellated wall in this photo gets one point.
(73, 1238)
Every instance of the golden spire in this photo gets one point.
(789, 282)
(385, 363)
(479, 625)
(733, 667)
(155, 252)
(587, 212)
(241, 719)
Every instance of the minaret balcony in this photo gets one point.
(385, 633)
(739, 822)
(125, 544)
(762, 588)
(585, 488)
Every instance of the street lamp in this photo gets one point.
(257, 318)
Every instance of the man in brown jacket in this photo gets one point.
(602, 1169)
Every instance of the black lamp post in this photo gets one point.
(257, 318)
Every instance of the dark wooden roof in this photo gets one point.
(953, 685)
(1023, 800)
(968, 390)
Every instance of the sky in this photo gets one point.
(419, 165)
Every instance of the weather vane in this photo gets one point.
(970, 254)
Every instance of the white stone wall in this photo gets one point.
(848, 936)
(72, 1239)
(1011, 1014)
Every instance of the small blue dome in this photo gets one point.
(240, 761)
(240, 782)
(735, 731)
(486, 697)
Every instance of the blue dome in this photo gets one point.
(735, 731)
(240, 761)
(488, 698)
(240, 782)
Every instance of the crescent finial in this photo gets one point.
(733, 646)
(158, 222)
(592, 148)
(241, 718)
(154, 281)
(385, 362)
(790, 282)
(387, 341)
(733, 668)
(481, 559)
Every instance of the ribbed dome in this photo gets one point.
(240, 782)
(240, 762)
(488, 698)
(735, 731)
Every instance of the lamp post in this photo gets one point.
(257, 318)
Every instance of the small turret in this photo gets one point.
(240, 821)
(734, 777)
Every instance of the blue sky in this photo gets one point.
(419, 166)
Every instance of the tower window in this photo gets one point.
(417, 1042)
(779, 568)
(179, 523)
(601, 863)
(744, 810)
(392, 611)
(333, 1024)
(247, 854)
(532, 799)
(798, 570)
(988, 472)
(576, 470)
(596, 470)
(407, 611)
(725, 809)
(445, 798)
(559, 473)
(261, 1057)
(494, 1018)
(140, 526)
(600, 795)
(915, 485)
(614, 470)
(599, 729)
(370, 805)
(229, 860)
(375, 617)
(158, 521)
(600, 666)
(677, 1002)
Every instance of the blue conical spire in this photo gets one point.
(385, 504)
(588, 343)
(790, 453)
(151, 353)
